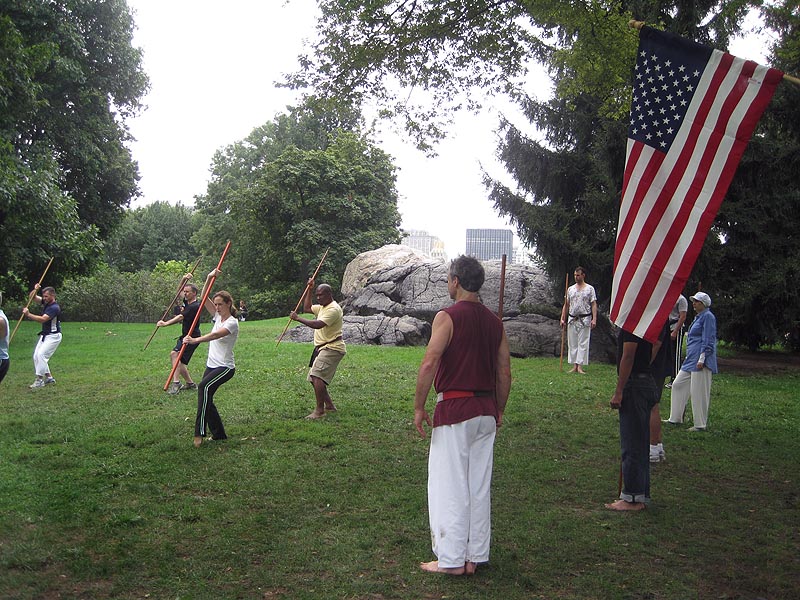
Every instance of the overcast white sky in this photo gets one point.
(212, 68)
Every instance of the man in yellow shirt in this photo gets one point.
(329, 348)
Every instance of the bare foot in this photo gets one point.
(330, 407)
(433, 567)
(573, 370)
(315, 415)
(197, 441)
(624, 505)
(581, 372)
(470, 568)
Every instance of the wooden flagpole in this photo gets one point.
(305, 291)
(30, 298)
(184, 281)
(566, 323)
(206, 291)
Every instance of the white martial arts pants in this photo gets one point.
(45, 348)
(696, 384)
(578, 336)
(459, 491)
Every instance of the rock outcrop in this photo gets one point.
(392, 294)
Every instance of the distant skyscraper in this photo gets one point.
(490, 244)
(428, 244)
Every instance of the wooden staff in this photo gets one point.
(184, 281)
(206, 291)
(30, 298)
(502, 288)
(566, 323)
(305, 291)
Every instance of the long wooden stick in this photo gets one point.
(502, 288)
(184, 281)
(633, 24)
(30, 298)
(566, 323)
(206, 291)
(305, 291)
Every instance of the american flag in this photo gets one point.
(692, 115)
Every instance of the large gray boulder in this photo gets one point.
(538, 335)
(374, 329)
(418, 287)
(392, 294)
(366, 264)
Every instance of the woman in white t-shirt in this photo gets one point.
(220, 366)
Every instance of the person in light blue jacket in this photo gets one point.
(694, 378)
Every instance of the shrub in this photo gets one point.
(111, 296)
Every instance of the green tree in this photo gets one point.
(307, 181)
(568, 181)
(752, 261)
(150, 234)
(69, 77)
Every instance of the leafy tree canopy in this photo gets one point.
(69, 77)
(569, 179)
(150, 234)
(306, 181)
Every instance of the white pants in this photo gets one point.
(459, 491)
(45, 348)
(696, 384)
(578, 336)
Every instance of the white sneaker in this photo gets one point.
(49, 380)
(37, 384)
(657, 453)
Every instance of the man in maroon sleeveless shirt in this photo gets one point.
(468, 362)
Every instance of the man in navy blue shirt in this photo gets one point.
(50, 335)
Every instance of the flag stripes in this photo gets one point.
(672, 190)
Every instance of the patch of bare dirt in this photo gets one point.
(760, 363)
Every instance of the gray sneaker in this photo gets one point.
(188, 386)
(174, 388)
(49, 380)
(39, 383)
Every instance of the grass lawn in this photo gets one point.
(102, 494)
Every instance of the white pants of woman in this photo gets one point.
(459, 491)
(45, 348)
(696, 384)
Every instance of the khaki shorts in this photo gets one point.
(325, 365)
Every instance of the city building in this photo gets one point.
(428, 244)
(490, 244)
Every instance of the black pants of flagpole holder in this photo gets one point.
(207, 414)
(638, 397)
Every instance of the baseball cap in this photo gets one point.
(702, 297)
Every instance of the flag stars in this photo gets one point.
(662, 91)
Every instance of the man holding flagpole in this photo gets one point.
(693, 111)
